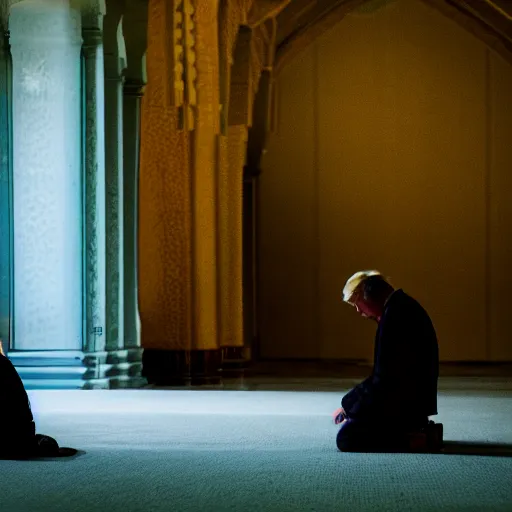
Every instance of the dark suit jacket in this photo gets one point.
(403, 383)
(16, 418)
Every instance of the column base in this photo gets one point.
(67, 369)
(235, 360)
(182, 367)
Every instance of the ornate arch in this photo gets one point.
(303, 21)
(114, 13)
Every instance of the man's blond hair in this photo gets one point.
(355, 283)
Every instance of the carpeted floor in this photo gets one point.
(151, 451)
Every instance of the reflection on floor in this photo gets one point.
(212, 450)
(333, 376)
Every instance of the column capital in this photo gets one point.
(92, 38)
(134, 88)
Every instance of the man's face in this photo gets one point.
(365, 309)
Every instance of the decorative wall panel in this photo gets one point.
(164, 212)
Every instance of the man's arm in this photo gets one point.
(369, 400)
(350, 400)
(375, 396)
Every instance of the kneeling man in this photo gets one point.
(18, 438)
(389, 411)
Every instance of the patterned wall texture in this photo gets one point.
(164, 202)
(190, 221)
(203, 190)
(46, 176)
(232, 154)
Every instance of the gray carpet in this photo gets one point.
(216, 451)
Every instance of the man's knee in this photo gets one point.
(349, 436)
(355, 436)
(345, 444)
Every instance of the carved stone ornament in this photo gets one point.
(184, 62)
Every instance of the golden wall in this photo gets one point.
(391, 151)
(500, 208)
(165, 220)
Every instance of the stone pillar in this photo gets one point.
(114, 64)
(95, 363)
(177, 238)
(237, 265)
(232, 158)
(47, 192)
(5, 189)
(257, 139)
(202, 68)
(135, 30)
(164, 236)
(95, 288)
(133, 92)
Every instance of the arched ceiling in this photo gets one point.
(299, 22)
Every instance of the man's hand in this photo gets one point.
(339, 416)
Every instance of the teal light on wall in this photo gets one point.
(47, 176)
(6, 310)
(83, 110)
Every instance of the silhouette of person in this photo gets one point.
(389, 411)
(18, 438)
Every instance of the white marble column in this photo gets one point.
(114, 64)
(47, 187)
(95, 260)
(5, 188)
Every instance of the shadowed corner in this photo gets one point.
(65, 454)
(481, 448)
